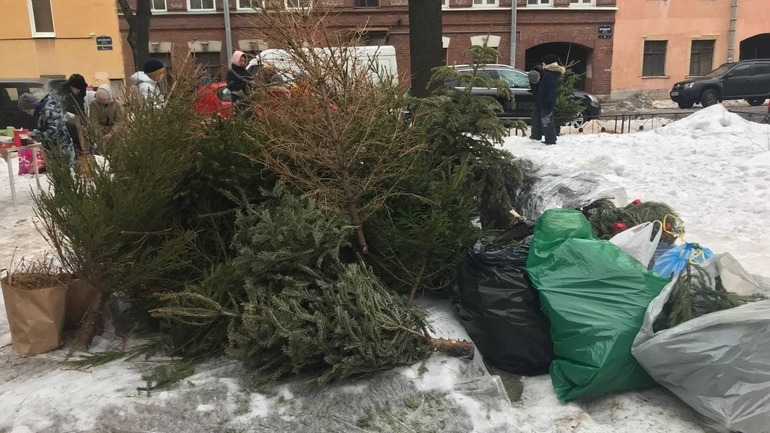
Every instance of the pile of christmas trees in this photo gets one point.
(294, 243)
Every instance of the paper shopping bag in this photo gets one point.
(80, 296)
(35, 315)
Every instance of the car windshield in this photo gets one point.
(720, 70)
(514, 78)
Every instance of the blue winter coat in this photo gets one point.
(548, 88)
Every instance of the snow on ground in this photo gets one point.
(712, 167)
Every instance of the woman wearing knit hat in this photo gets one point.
(147, 81)
(105, 114)
(51, 124)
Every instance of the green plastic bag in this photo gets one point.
(595, 296)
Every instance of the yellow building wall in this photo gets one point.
(677, 21)
(77, 23)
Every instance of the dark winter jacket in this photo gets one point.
(73, 104)
(52, 126)
(239, 80)
(74, 107)
(548, 89)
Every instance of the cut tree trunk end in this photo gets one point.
(452, 347)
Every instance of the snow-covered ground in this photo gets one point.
(713, 168)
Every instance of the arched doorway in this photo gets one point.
(756, 47)
(567, 52)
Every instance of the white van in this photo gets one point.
(380, 60)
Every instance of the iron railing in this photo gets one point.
(623, 123)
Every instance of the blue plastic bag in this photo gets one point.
(673, 261)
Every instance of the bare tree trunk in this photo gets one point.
(138, 29)
(425, 48)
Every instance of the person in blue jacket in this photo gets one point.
(545, 99)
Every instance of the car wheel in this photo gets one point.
(685, 105)
(709, 97)
(756, 102)
(580, 120)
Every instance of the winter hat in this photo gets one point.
(28, 101)
(550, 58)
(237, 57)
(152, 65)
(106, 90)
(534, 76)
(77, 81)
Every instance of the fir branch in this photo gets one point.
(95, 359)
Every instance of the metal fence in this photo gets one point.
(623, 123)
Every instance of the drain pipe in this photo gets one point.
(731, 37)
(514, 4)
(228, 35)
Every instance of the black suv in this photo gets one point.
(747, 79)
(523, 99)
(10, 90)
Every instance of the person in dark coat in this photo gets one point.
(534, 122)
(547, 92)
(72, 96)
(239, 80)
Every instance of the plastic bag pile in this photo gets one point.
(584, 308)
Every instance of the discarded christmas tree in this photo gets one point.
(421, 234)
(603, 215)
(311, 307)
(695, 294)
(567, 107)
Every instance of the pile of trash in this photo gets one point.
(636, 102)
(630, 305)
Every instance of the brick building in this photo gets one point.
(575, 30)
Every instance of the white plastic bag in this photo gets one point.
(564, 187)
(639, 242)
(719, 363)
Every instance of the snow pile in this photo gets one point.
(709, 123)
(712, 168)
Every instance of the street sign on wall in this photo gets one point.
(104, 43)
(605, 31)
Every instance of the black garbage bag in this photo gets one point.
(501, 311)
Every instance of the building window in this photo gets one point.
(367, 3)
(249, 5)
(211, 64)
(485, 3)
(298, 4)
(200, 5)
(582, 2)
(654, 63)
(444, 3)
(41, 17)
(538, 2)
(159, 6)
(701, 57)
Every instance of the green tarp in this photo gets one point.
(595, 296)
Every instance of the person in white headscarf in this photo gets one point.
(105, 114)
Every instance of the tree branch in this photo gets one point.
(125, 8)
